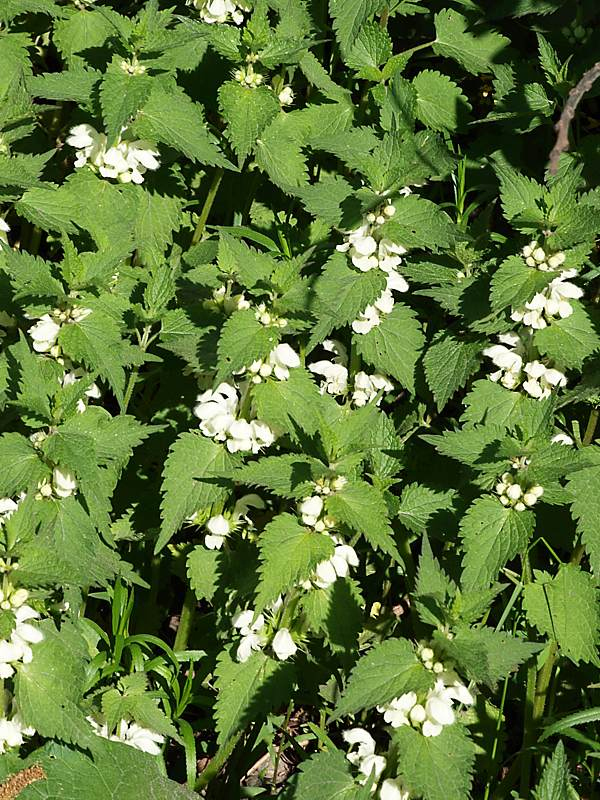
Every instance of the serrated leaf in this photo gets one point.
(22, 171)
(244, 340)
(22, 467)
(289, 554)
(390, 669)
(585, 508)
(326, 776)
(158, 217)
(555, 783)
(194, 478)
(419, 503)
(440, 103)
(247, 691)
(492, 535)
(336, 612)
(566, 608)
(293, 405)
(571, 340)
(76, 85)
(519, 194)
(247, 113)
(514, 283)
(419, 223)
(290, 475)
(371, 48)
(436, 767)
(477, 52)
(394, 346)
(202, 571)
(121, 97)
(449, 362)
(362, 507)
(348, 18)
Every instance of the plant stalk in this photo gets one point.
(208, 203)
(186, 621)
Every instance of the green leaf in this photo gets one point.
(172, 118)
(362, 507)
(420, 223)
(22, 467)
(49, 688)
(440, 103)
(341, 293)
(326, 776)
(419, 503)
(492, 535)
(449, 362)
(194, 478)
(348, 18)
(390, 669)
(555, 783)
(291, 406)
(571, 340)
(248, 691)
(244, 340)
(337, 613)
(519, 194)
(514, 283)
(371, 48)
(202, 571)
(585, 508)
(566, 609)
(289, 554)
(247, 113)
(477, 52)
(484, 655)
(290, 475)
(22, 171)
(158, 217)
(584, 717)
(108, 771)
(436, 767)
(250, 265)
(121, 97)
(394, 346)
(77, 85)
(81, 30)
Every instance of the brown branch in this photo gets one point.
(562, 126)
(13, 786)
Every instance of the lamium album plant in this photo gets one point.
(299, 393)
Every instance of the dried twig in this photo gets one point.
(562, 126)
(13, 786)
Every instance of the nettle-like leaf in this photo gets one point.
(289, 554)
(337, 613)
(492, 534)
(247, 112)
(327, 775)
(566, 608)
(244, 340)
(390, 669)
(449, 362)
(571, 340)
(440, 103)
(555, 783)
(419, 503)
(585, 508)
(475, 51)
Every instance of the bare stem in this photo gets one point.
(208, 203)
(186, 620)
(562, 126)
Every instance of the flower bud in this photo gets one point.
(417, 714)
(514, 491)
(389, 211)
(539, 254)
(427, 654)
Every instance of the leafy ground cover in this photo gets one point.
(299, 385)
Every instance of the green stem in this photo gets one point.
(528, 721)
(591, 427)
(216, 763)
(280, 746)
(208, 202)
(188, 611)
(144, 342)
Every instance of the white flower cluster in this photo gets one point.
(267, 317)
(72, 376)
(223, 299)
(12, 729)
(370, 765)
(63, 484)
(216, 409)
(4, 229)
(222, 526)
(513, 372)
(278, 363)
(535, 256)
(338, 566)
(255, 635)
(219, 11)
(130, 733)
(311, 508)
(434, 711)
(549, 304)
(127, 161)
(512, 494)
(372, 315)
(44, 332)
(17, 648)
(247, 76)
(8, 506)
(286, 96)
(335, 376)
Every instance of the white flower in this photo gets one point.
(262, 436)
(7, 508)
(282, 359)
(371, 317)
(364, 756)
(338, 566)
(286, 96)
(93, 393)
(562, 438)
(508, 356)
(216, 410)
(141, 738)
(396, 712)
(219, 528)
(252, 638)
(12, 733)
(438, 705)
(393, 789)
(21, 637)
(558, 293)
(367, 387)
(126, 161)
(283, 645)
(542, 380)
(219, 11)
(335, 375)
(64, 482)
(44, 334)
(4, 226)
(310, 509)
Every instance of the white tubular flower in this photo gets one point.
(4, 230)
(10, 653)
(338, 566)
(395, 282)
(252, 637)
(396, 712)
(286, 96)
(438, 710)
(335, 377)
(340, 355)
(371, 317)
(393, 789)
(542, 380)
(7, 509)
(363, 248)
(262, 436)
(282, 359)
(283, 645)
(310, 509)
(141, 738)
(126, 161)
(508, 356)
(219, 528)
(364, 758)
(558, 293)
(367, 387)
(12, 733)
(64, 482)
(562, 438)
(216, 410)
(18, 648)
(533, 314)
(389, 255)
(44, 334)
(239, 436)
